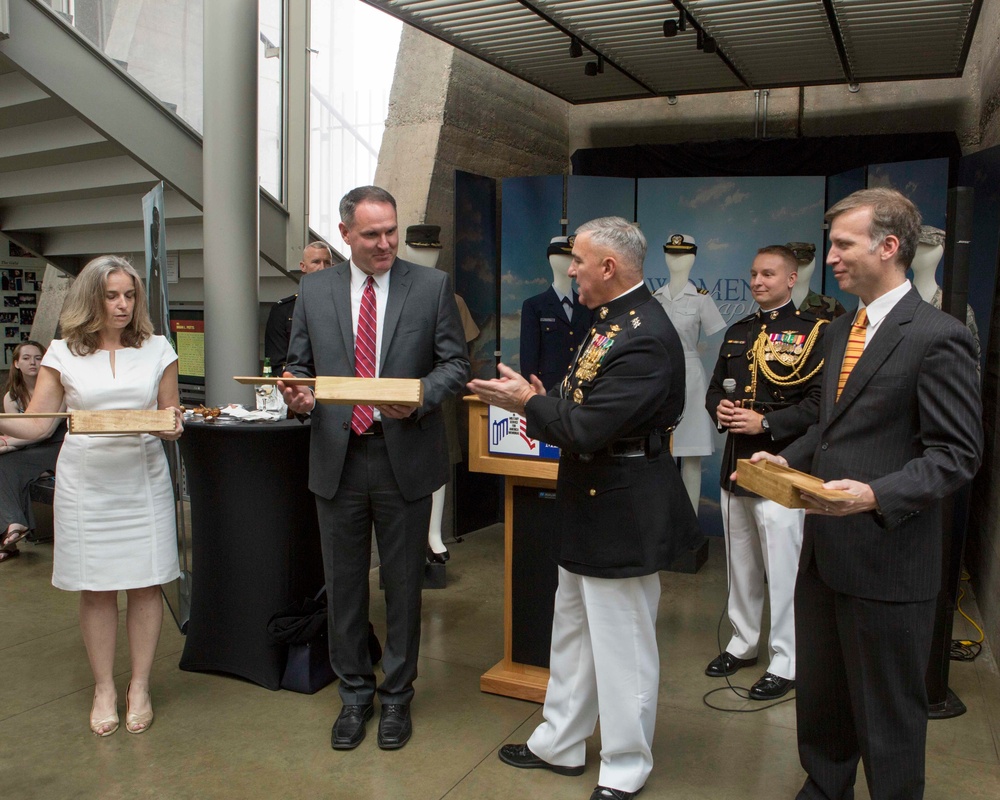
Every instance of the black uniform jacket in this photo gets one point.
(620, 516)
(278, 331)
(789, 409)
(548, 339)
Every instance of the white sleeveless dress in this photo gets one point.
(114, 516)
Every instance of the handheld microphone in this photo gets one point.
(729, 387)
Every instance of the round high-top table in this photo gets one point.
(255, 542)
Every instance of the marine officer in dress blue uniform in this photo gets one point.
(623, 512)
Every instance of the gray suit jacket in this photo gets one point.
(909, 424)
(422, 338)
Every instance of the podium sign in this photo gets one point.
(509, 437)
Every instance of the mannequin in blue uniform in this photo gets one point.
(554, 322)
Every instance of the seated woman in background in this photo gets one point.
(23, 459)
(114, 510)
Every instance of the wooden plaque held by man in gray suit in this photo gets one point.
(375, 465)
(899, 429)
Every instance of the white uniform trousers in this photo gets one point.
(604, 663)
(762, 539)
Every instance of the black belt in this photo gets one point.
(630, 447)
(375, 429)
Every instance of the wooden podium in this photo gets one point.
(509, 677)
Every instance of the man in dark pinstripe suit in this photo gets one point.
(904, 433)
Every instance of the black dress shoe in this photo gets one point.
(394, 727)
(727, 664)
(518, 755)
(438, 558)
(605, 793)
(349, 729)
(771, 687)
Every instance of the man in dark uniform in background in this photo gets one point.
(624, 514)
(774, 356)
(315, 256)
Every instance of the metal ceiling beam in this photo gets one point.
(838, 40)
(679, 5)
(607, 59)
(973, 21)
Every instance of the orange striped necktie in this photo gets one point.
(855, 347)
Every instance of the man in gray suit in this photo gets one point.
(898, 431)
(375, 464)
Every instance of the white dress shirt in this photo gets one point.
(880, 308)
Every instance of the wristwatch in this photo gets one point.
(764, 424)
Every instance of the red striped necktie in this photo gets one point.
(855, 347)
(364, 354)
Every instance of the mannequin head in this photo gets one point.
(679, 252)
(805, 257)
(930, 248)
(560, 257)
(423, 244)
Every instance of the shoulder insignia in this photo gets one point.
(702, 290)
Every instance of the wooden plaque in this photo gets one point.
(121, 421)
(369, 391)
(784, 485)
(345, 391)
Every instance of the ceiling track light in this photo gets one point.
(575, 48)
(593, 68)
(709, 44)
(672, 27)
(700, 41)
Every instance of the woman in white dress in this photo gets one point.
(114, 504)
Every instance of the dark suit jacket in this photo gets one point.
(908, 424)
(422, 338)
(549, 341)
(619, 517)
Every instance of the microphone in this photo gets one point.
(729, 387)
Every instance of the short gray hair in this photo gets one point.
(318, 245)
(363, 194)
(621, 237)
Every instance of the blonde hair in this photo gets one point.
(84, 316)
(17, 388)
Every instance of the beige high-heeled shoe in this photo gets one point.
(132, 720)
(97, 724)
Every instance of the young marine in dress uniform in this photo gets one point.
(774, 355)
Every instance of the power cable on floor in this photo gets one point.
(966, 649)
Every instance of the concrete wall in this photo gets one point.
(987, 51)
(449, 111)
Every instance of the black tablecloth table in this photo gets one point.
(255, 542)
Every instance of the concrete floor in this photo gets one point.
(221, 737)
